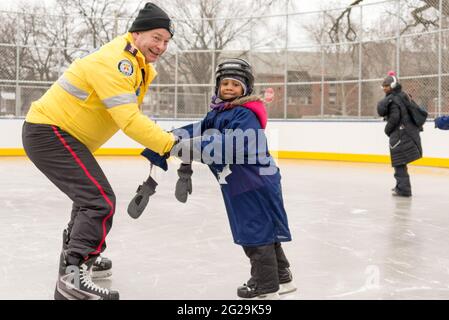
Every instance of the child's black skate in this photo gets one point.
(102, 267)
(286, 284)
(75, 283)
(250, 291)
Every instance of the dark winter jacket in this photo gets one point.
(251, 190)
(405, 142)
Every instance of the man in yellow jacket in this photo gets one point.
(98, 95)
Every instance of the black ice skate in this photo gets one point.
(75, 283)
(250, 291)
(398, 193)
(102, 267)
(286, 284)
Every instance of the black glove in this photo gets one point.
(156, 158)
(184, 183)
(140, 200)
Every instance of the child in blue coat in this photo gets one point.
(232, 141)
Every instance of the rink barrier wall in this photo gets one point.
(367, 158)
(330, 140)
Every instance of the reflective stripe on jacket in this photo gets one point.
(100, 94)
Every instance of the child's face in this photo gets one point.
(230, 89)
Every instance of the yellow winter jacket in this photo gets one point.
(100, 94)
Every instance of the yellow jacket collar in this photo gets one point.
(151, 72)
(139, 56)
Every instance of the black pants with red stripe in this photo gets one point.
(73, 169)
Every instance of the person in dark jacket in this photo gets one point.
(249, 179)
(405, 142)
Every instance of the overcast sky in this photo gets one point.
(300, 5)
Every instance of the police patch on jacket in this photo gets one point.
(125, 66)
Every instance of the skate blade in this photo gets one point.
(288, 287)
(265, 296)
(101, 274)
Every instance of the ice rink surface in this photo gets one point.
(351, 238)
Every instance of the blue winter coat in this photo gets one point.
(252, 190)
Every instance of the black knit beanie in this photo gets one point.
(152, 17)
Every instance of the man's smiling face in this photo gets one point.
(152, 43)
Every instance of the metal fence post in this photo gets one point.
(322, 69)
(251, 40)
(214, 47)
(214, 52)
(61, 55)
(440, 58)
(286, 61)
(18, 91)
(21, 50)
(360, 62)
(176, 85)
(398, 39)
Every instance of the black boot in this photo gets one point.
(264, 282)
(75, 282)
(102, 267)
(248, 291)
(403, 187)
(397, 193)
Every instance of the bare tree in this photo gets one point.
(211, 25)
(8, 32)
(36, 38)
(207, 31)
(50, 39)
(418, 17)
(418, 54)
(100, 18)
(340, 60)
(92, 23)
(347, 28)
(344, 22)
(39, 58)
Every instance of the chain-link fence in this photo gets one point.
(323, 64)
